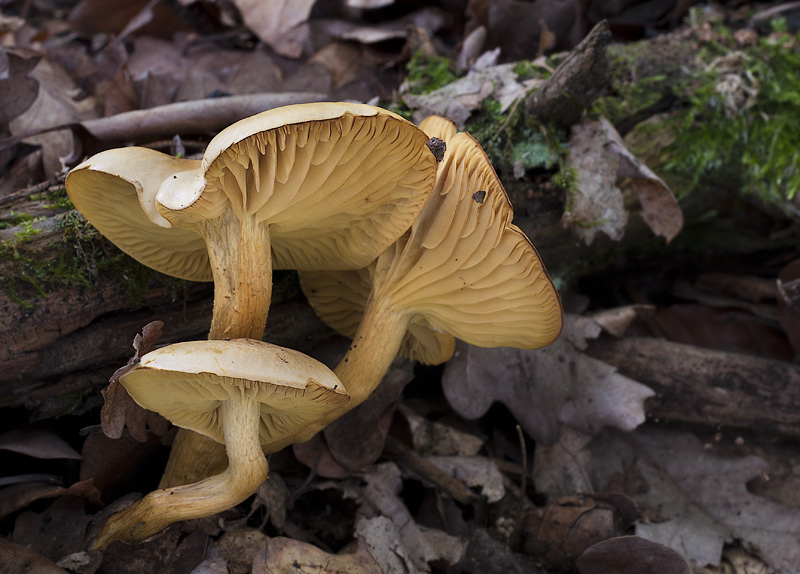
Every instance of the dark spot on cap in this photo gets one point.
(479, 196)
(437, 148)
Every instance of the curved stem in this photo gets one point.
(247, 469)
(241, 261)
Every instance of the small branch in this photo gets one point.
(426, 470)
(580, 79)
(708, 387)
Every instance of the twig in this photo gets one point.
(198, 116)
(32, 190)
(429, 471)
(523, 487)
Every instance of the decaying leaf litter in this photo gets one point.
(661, 426)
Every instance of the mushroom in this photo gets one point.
(308, 186)
(241, 393)
(462, 269)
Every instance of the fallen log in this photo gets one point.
(707, 387)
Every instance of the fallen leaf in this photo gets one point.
(596, 204)
(287, 555)
(631, 555)
(18, 496)
(240, 548)
(457, 100)
(434, 438)
(54, 105)
(275, 22)
(214, 565)
(696, 501)
(18, 89)
(560, 469)
(394, 539)
(356, 439)
(546, 387)
(561, 531)
(473, 471)
(274, 497)
(601, 159)
(119, 409)
(37, 442)
(22, 560)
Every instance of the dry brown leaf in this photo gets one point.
(239, 548)
(18, 89)
(560, 469)
(356, 439)
(631, 555)
(561, 531)
(544, 388)
(434, 438)
(119, 409)
(697, 501)
(17, 558)
(287, 555)
(54, 105)
(397, 542)
(37, 442)
(599, 155)
(17, 496)
(457, 100)
(275, 22)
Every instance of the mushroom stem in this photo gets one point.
(374, 347)
(241, 262)
(247, 469)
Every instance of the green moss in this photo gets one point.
(80, 256)
(740, 125)
(428, 73)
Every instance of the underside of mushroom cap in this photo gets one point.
(466, 268)
(336, 182)
(187, 382)
(116, 190)
(340, 297)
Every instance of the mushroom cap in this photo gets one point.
(116, 191)
(466, 268)
(438, 127)
(187, 382)
(337, 183)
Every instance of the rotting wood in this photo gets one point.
(708, 387)
(580, 79)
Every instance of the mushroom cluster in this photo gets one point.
(394, 250)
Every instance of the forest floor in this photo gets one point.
(650, 151)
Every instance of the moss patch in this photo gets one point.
(77, 258)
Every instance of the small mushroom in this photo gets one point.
(462, 269)
(242, 393)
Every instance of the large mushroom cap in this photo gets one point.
(466, 268)
(337, 183)
(187, 382)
